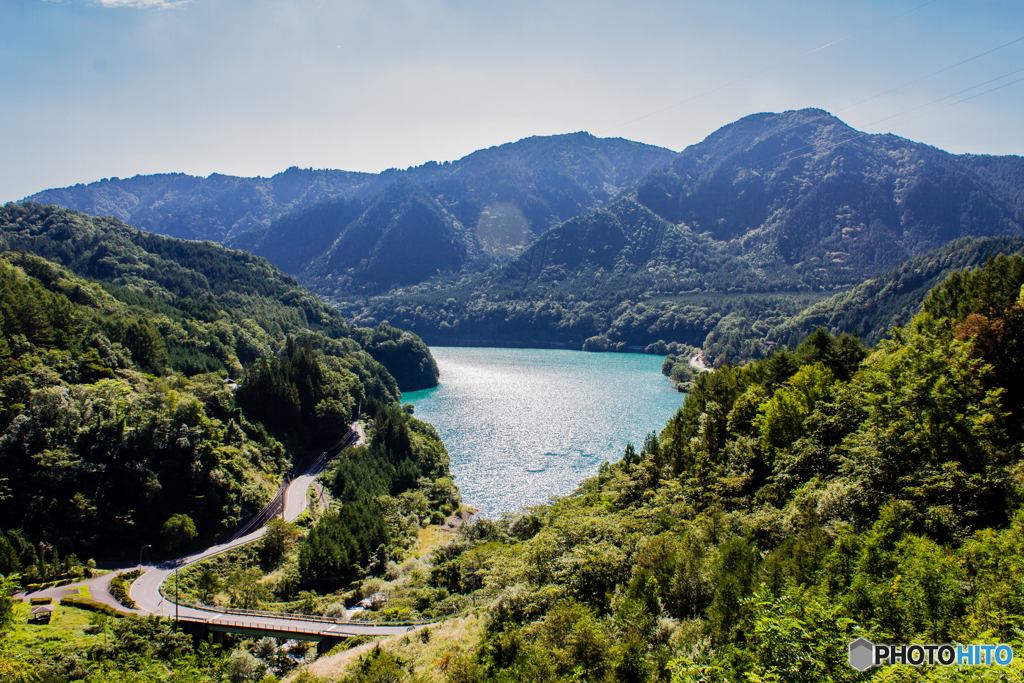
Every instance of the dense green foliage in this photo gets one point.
(404, 354)
(789, 506)
(95, 453)
(235, 307)
(101, 649)
(873, 307)
(383, 491)
(116, 414)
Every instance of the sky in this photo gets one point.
(93, 89)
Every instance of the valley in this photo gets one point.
(607, 240)
(846, 465)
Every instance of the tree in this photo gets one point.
(780, 420)
(179, 530)
(279, 535)
(208, 584)
(7, 587)
(245, 588)
(8, 557)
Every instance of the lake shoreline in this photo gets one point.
(525, 425)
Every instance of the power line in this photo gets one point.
(935, 73)
(973, 87)
(922, 106)
(860, 134)
(770, 68)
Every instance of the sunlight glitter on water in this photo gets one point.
(523, 425)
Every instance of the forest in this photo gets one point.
(825, 493)
(735, 237)
(204, 282)
(793, 504)
(187, 382)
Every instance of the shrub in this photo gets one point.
(119, 587)
(91, 605)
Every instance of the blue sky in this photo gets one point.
(102, 88)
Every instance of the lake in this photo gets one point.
(523, 425)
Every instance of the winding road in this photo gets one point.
(146, 589)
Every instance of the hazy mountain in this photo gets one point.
(503, 196)
(213, 208)
(774, 205)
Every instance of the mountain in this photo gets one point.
(117, 411)
(206, 281)
(873, 307)
(502, 196)
(213, 208)
(403, 237)
(764, 217)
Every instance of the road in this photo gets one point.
(697, 363)
(146, 589)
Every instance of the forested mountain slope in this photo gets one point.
(765, 211)
(501, 196)
(789, 507)
(207, 281)
(873, 307)
(116, 412)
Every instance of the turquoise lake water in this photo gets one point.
(523, 425)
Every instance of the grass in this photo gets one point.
(66, 629)
(428, 538)
(426, 654)
(82, 592)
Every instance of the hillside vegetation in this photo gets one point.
(789, 507)
(206, 282)
(117, 413)
(873, 307)
(407, 225)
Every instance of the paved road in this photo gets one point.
(146, 589)
(697, 363)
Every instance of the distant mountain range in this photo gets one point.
(763, 218)
(437, 217)
(563, 238)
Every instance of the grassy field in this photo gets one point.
(67, 627)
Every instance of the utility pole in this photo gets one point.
(176, 594)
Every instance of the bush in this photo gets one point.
(335, 610)
(119, 587)
(92, 606)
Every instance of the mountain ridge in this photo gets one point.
(774, 204)
(235, 205)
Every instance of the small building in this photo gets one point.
(41, 614)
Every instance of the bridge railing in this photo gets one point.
(266, 614)
(276, 505)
